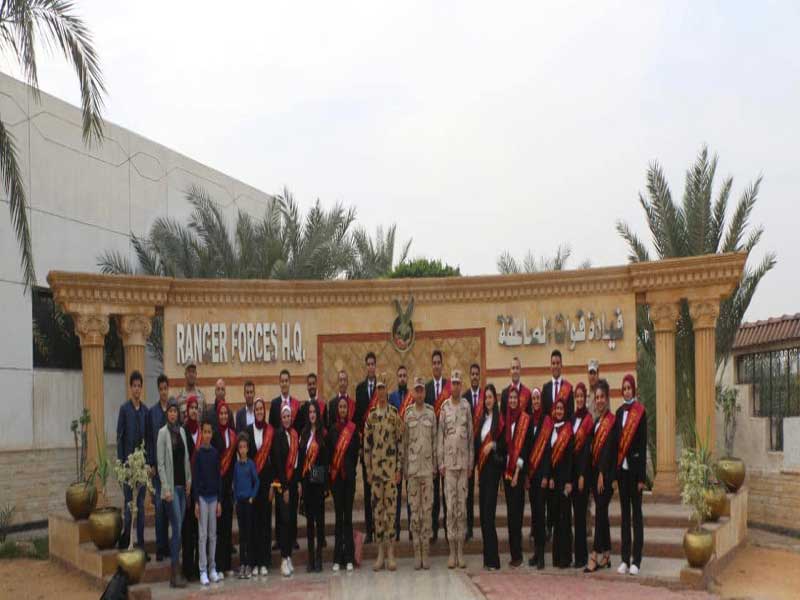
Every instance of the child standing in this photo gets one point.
(245, 488)
(207, 508)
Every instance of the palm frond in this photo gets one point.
(113, 262)
(718, 216)
(638, 251)
(740, 217)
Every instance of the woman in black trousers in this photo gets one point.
(285, 451)
(343, 445)
(313, 453)
(490, 470)
(603, 462)
(189, 531)
(224, 440)
(582, 429)
(516, 446)
(262, 436)
(539, 475)
(562, 447)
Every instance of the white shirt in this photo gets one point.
(227, 440)
(554, 435)
(475, 398)
(249, 416)
(258, 437)
(487, 426)
(289, 439)
(625, 418)
(285, 401)
(576, 425)
(310, 439)
(519, 460)
(195, 437)
(437, 387)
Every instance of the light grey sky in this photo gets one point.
(477, 127)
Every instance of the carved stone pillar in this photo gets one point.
(134, 330)
(704, 314)
(664, 317)
(92, 329)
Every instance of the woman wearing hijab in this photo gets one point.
(344, 445)
(562, 448)
(517, 441)
(224, 440)
(604, 467)
(490, 469)
(189, 531)
(539, 475)
(262, 436)
(582, 429)
(631, 424)
(313, 482)
(285, 452)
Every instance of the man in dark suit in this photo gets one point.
(473, 395)
(302, 415)
(437, 390)
(210, 414)
(333, 404)
(365, 399)
(275, 407)
(246, 416)
(523, 393)
(557, 385)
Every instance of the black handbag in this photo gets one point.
(318, 475)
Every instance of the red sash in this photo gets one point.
(294, 444)
(226, 460)
(541, 444)
(262, 454)
(342, 444)
(487, 442)
(311, 456)
(517, 443)
(560, 447)
(294, 405)
(524, 395)
(563, 394)
(601, 435)
(443, 395)
(407, 403)
(583, 433)
(635, 414)
(477, 417)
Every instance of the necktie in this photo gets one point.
(557, 386)
(369, 388)
(437, 389)
(474, 399)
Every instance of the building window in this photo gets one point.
(55, 344)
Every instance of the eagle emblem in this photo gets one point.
(403, 328)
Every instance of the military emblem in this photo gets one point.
(403, 328)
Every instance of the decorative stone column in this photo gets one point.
(704, 313)
(134, 329)
(92, 329)
(664, 317)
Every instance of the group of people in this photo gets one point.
(559, 444)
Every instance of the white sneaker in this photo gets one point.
(634, 570)
(349, 567)
(214, 576)
(221, 575)
(264, 571)
(291, 566)
(335, 567)
(623, 568)
(285, 568)
(203, 578)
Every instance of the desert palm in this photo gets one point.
(22, 24)
(375, 257)
(507, 264)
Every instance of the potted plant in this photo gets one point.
(105, 522)
(135, 474)
(693, 474)
(81, 495)
(730, 470)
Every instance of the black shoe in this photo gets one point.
(397, 536)
(368, 538)
(324, 542)
(468, 537)
(159, 557)
(296, 546)
(532, 561)
(540, 563)
(435, 536)
(410, 536)
(275, 546)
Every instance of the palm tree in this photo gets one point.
(55, 21)
(375, 257)
(507, 264)
(695, 227)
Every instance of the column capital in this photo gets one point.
(91, 328)
(134, 329)
(664, 315)
(704, 313)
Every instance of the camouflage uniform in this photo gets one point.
(456, 454)
(383, 457)
(419, 446)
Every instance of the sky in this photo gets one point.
(476, 127)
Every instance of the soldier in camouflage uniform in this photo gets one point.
(455, 453)
(419, 451)
(383, 457)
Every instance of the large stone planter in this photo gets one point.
(133, 563)
(715, 499)
(731, 472)
(81, 500)
(105, 527)
(698, 545)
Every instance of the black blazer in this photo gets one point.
(275, 414)
(468, 397)
(241, 419)
(266, 474)
(504, 399)
(524, 455)
(543, 471)
(219, 444)
(430, 391)
(495, 457)
(362, 402)
(547, 399)
(637, 452)
(350, 457)
(562, 472)
(190, 447)
(323, 457)
(582, 460)
(607, 460)
(279, 455)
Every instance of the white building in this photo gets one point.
(82, 202)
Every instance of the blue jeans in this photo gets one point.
(162, 518)
(128, 494)
(176, 509)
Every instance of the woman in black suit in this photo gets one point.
(189, 531)
(313, 453)
(582, 429)
(343, 444)
(262, 436)
(539, 475)
(285, 455)
(224, 440)
(562, 447)
(603, 470)
(490, 469)
(515, 447)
